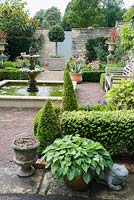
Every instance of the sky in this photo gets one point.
(35, 5)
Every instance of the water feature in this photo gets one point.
(45, 89)
(31, 70)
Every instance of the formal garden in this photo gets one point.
(78, 143)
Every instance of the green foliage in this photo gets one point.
(16, 45)
(69, 100)
(92, 76)
(15, 20)
(48, 127)
(56, 108)
(12, 74)
(102, 80)
(73, 156)
(127, 17)
(8, 65)
(96, 49)
(121, 96)
(49, 17)
(84, 14)
(56, 33)
(127, 36)
(75, 68)
(101, 106)
(113, 129)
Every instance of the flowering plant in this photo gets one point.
(94, 65)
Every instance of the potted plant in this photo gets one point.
(76, 160)
(25, 155)
(75, 72)
(56, 34)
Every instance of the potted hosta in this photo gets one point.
(76, 160)
(25, 155)
(75, 72)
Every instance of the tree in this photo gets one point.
(127, 17)
(53, 16)
(15, 20)
(81, 13)
(40, 15)
(56, 34)
(93, 13)
(113, 11)
(69, 100)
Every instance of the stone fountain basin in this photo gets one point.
(26, 101)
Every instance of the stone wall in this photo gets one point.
(48, 47)
(79, 37)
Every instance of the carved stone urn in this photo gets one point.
(25, 155)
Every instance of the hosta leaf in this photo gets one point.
(70, 175)
(53, 168)
(86, 178)
(84, 167)
(98, 171)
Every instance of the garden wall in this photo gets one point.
(77, 37)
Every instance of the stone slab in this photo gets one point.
(51, 186)
(11, 183)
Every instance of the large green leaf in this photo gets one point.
(87, 178)
(70, 175)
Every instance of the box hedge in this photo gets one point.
(13, 74)
(92, 76)
(114, 129)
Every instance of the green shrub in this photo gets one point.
(92, 76)
(113, 129)
(102, 80)
(121, 96)
(14, 74)
(48, 128)
(96, 49)
(9, 65)
(56, 108)
(69, 100)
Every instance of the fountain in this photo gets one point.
(16, 93)
(32, 71)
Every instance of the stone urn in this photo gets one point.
(25, 155)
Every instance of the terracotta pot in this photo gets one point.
(76, 184)
(76, 77)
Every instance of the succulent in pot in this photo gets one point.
(75, 72)
(74, 158)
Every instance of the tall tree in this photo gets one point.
(48, 17)
(86, 13)
(83, 13)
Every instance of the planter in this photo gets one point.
(76, 184)
(25, 155)
(56, 64)
(76, 77)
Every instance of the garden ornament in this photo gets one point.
(115, 177)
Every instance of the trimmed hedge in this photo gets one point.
(102, 80)
(113, 129)
(92, 76)
(12, 75)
